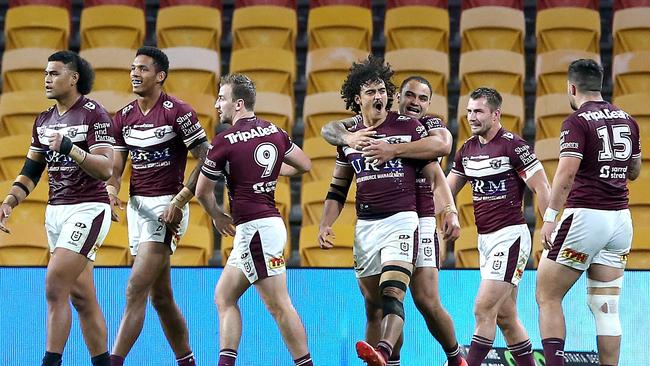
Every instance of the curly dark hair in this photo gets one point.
(361, 73)
(74, 62)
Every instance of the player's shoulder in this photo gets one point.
(172, 103)
(509, 137)
(46, 113)
(432, 122)
(92, 106)
(126, 110)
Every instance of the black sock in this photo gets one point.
(52, 359)
(101, 360)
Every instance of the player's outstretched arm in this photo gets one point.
(455, 183)
(567, 168)
(114, 183)
(447, 214)
(437, 144)
(542, 190)
(333, 205)
(635, 169)
(205, 195)
(295, 163)
(337, 134)
(98, 163)
(24, 183)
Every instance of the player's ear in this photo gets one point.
(161, 76)
(497, 114)
(357, 99)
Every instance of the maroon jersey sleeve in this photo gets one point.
(215, 161)
(340, 157)
(100, 129)
(457, 167)
(286, 141)
(120, 144)
(636, 140)
(36, 144)
(187, 126)
(432, 123)
(523, 159)
(572, 138)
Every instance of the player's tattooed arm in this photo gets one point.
(199, 152)
(98, 163)
(635, 169)
(333, 205)
(24, 183)
(337, 134)
(205, 194)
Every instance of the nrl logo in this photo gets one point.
(90, 106)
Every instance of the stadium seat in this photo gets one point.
(286, 3)
(568, 28)
(264, 26)
(32, 209)
(312, 198)
(537, 248)
(502, 70)
(550, 111)
(512, 116)
(492, 27)
(112, 101)
(323, 158)
(624, 4)
(196, 247)
(321, 108)
(276, 108)
(636, 105)
(189, 26)
(133, 3)
(548, 153)
(66, 4)
(465, 206)
(12, 155)
(112, 26)
(587, 4)
(18, 110)
(272, 69)
(203, 104)
(22, 69)
(115, 248)
(466, 248)
(112, 68)
(311, 255)
(515, 4)
(319, 3)
(417, 27)
(192, 69)
(25, 246)
(339, 26)
(443, 4)
(210, 3)
(429, 64)
(37, 26)
(631, 30)
(327, 68)
(631, 73)
(551, 69)
(639, 257)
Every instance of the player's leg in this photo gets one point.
(231, 286)
(171, 318)
(369, 287)
(514, 332)
(274, 293)
(603, 291)
(91, 319)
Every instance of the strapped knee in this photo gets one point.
(395, 277)
(605, 308)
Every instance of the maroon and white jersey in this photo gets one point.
(158, 143)
(423, 193)
(88, 125)
(606, 139)
(250, 155)
(497, 172)
(389, 188)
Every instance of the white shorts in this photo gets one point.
(144, 224)
(429, 248)
(376, 242)
(258, 248)
(81, 227)
(504, 253)
(584, 236)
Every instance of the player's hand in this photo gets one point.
(223, 223)
(325, 237)
(547, 229)
(54, 141)
(116, 204)
(451, 227)
(379, 151)
(172, 217)
(5, 212)
(361, 138)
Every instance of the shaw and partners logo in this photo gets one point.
(489, 187)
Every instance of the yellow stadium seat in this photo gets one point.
(339, 26)
(39, 26)
(551, 69)
(512, 115)
(631, 30)
(22, 69)
(18, 111)
(639, 257)
(112, 68)
(548, 153)
(537, 248)
(112, 26)
(196, 247)
(465, 206)
(192, 69)
(115, 248)
(430, 64)
(198, 216)
(323, 158)
(32, 209)
(25, 246)
(321, 108)
(276, 108)
(417, 27)
(189, 25)
(12, 155)
(327, 68)
(631, 73)
(492, 27)
(636, 106)
(264, 26)
(311, 255)
(550, 111)
(568, 28)
(203, 104)
(313, 198)
(112, 101)
(272, 69)
(502, 70)
(466, 248)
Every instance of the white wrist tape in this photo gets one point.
(550, 214)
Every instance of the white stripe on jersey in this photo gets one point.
(290, 149)
(74, 133)
(571, 154)
(189, 141)
(532, 169)
(393, 139)
(150, 136)
(487, 167)
(96, 146)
